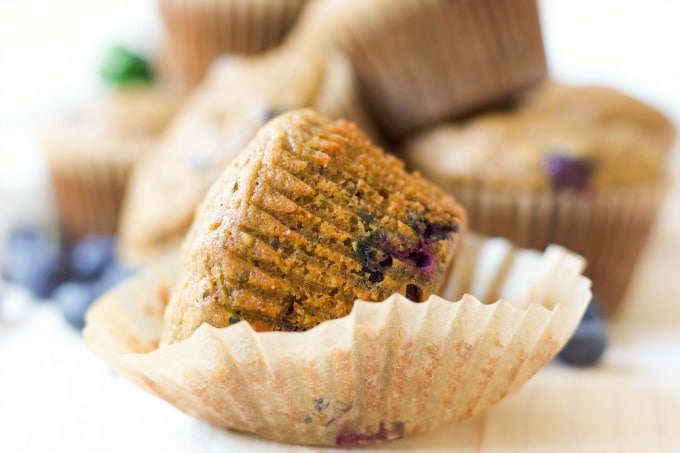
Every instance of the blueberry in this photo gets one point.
(112, 275)
(35, 260)
(568, 172)
(589, 341)
(91, 255)
(73, 299)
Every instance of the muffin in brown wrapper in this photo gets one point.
(582, 167)
(91, 154)
(309, 217)
(609, 228)
(385, 371)
(422, 61)
(238, 97)
(198, 32)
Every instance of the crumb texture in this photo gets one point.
(309, 218)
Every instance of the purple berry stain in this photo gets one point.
(567, 172)
(377, 251)
(349, 438)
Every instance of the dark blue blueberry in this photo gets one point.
(568, 172)
(91, 255)
(589, 341)
(376, 277)
(73, 299)
(35, 260)
(414, 293)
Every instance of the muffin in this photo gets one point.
(310, 217)
(387, 370)
(199, 32)
(419, 62)
(599, 106)
(545, 174)
(91, 153)
(238, 97)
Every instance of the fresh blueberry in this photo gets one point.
(73, 299)
(589, 341)
(112, 275)
(568, 172)
(34, 260)
(91, 255)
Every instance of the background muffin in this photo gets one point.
(420, 62)
(91, 153)
(592, 182)
(198, 32)
(225, 112)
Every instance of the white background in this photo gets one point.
(54, 395)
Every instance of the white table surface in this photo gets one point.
(55, 396)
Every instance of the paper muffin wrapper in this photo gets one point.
(609, 228)
(385, 371)
(421, 62)
(88, 192)
(199, 32)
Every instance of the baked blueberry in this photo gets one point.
(568, 172)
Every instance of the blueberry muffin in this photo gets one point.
(579, 166)
(198, 32)
(309, 218)
(422, 61)
(91, 153)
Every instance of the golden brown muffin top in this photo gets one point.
(595, 138)
(310, 217)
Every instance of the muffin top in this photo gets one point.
(581, 142)
(120, 123)
(310, 217)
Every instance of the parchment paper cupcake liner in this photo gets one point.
(200, 31)
(385, 371)
(423, 61)
(609, 228)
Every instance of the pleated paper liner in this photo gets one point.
(385, 371)
(200, 31)
(609, 227)
(421, 62)
(89, 193)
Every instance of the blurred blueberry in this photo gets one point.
(91, 255)
(35, 260)
(112, 275)
(568, 172)
(589, 341)
(73, 299)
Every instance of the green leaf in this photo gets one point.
(122, 67)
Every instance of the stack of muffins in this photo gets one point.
(283, 222)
